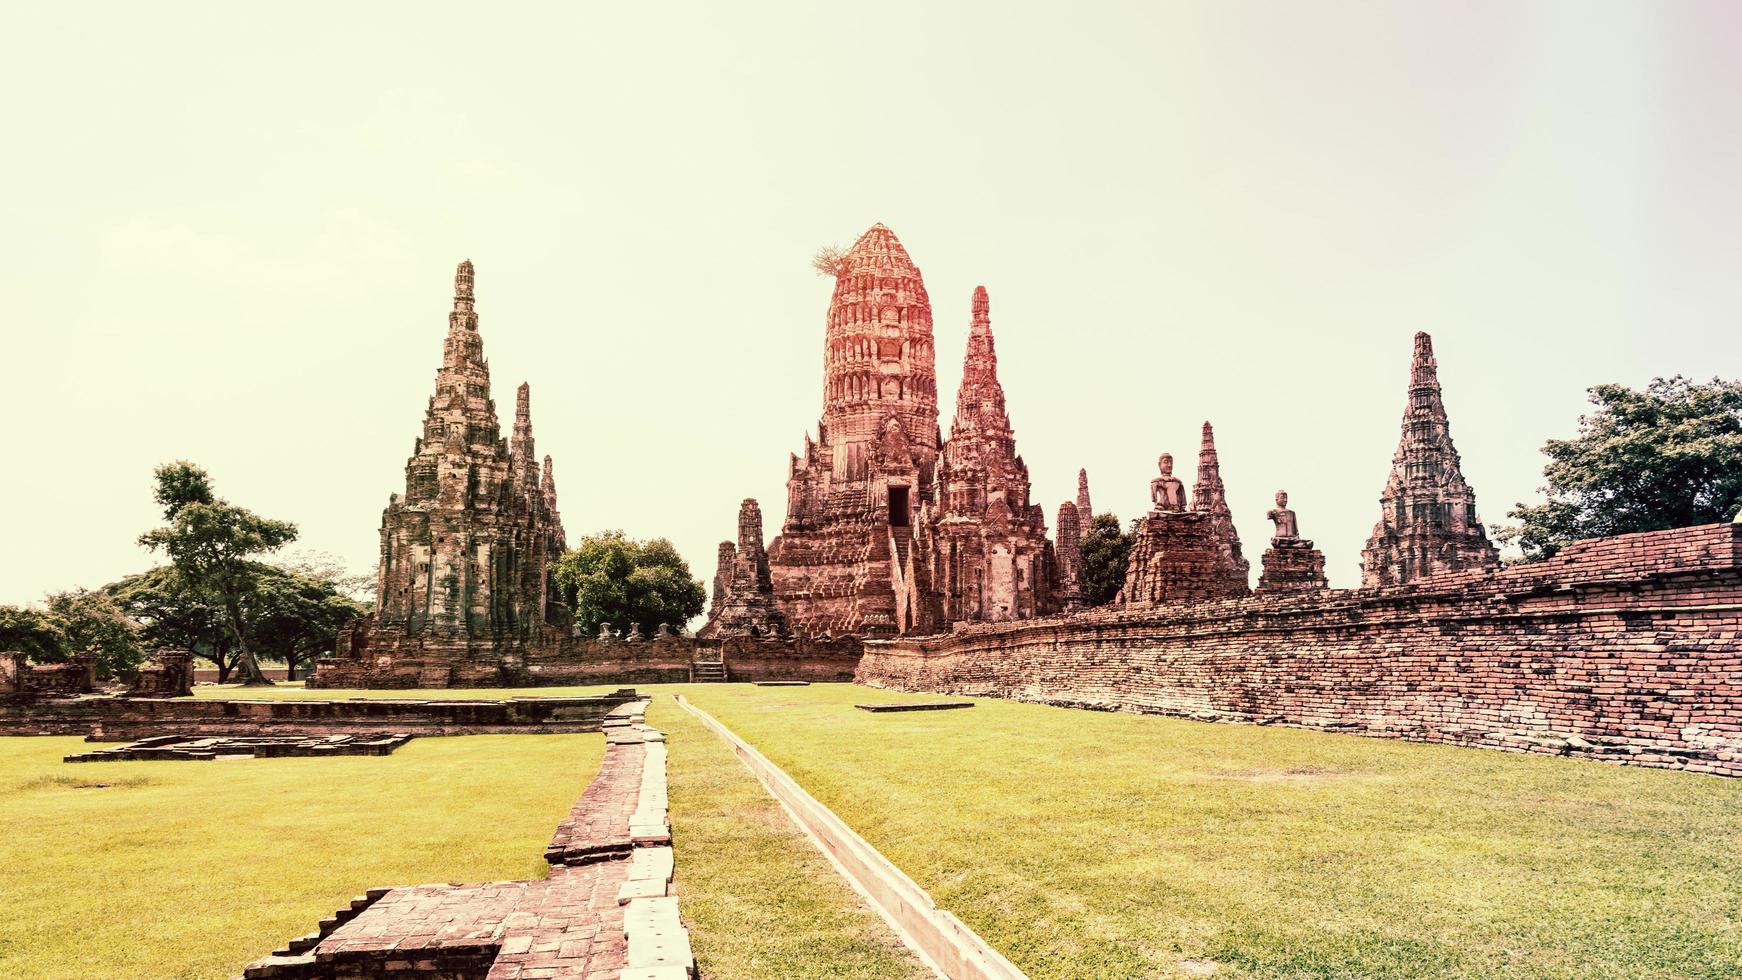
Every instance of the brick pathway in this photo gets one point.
(604, 913)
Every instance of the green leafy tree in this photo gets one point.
(210, 541)
(1669, 456)
(286, 616)
(612, 578)
(33, 633)
(1104, 548)
(325, 567)
(295, 617)
(172, 613)
(94, 623)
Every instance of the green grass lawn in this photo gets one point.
(192, 869)
(1085, 844)
(760, 901)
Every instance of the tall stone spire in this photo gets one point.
(558, 538)
(1427, 522)
(980, 412)
(521, 446)
(728, 553)
(461, 435)
(547, 485)
(462, 550)
(996, 564)
(1069, 551)
(1209, 496)
(1085, 509)
(744, 603)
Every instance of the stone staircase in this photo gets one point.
(707, 671)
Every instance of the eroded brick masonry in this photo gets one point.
(463, 580)
(1627, 649)
(889, 528)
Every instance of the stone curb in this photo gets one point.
(942, 941)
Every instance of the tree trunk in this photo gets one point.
(251, 675)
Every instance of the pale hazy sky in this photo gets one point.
(229, 230)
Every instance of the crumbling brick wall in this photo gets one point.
(1627, 649)
(21, 678)
(396, 661)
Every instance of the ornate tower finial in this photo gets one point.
(464, 315)
(1085, 509)
(1211, 497)
(521, 444)
(1427, 522)
(463, 280)
(982, 310)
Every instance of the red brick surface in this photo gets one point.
(605, 906)
(1627, 649)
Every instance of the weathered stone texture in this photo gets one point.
(1069, 554)
(1210, 497)
(120, 719)
(1291, 563)
(464, 552)
(989, 542)
(845, 559)
(206, 748)
(1178, 558)
(1292, 566)
(1183, 555)
(168, 674)
(1427, 524)
(20, 677)
(746, 605)
(604, 912)
(464, 576)
(1627, 649)
(889, 529)
(590, 660)
(1085, 508)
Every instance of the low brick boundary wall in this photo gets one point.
(128, 719)
(382, 659)
(1626, 649)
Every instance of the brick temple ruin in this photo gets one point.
(910, 559)
(465, 596)
(890, 528)
(464, 583)
(1427, 524)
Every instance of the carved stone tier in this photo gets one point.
(1178, 557)
(1292, 566)
(746, 606)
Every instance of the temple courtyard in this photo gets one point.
(1078, 843)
